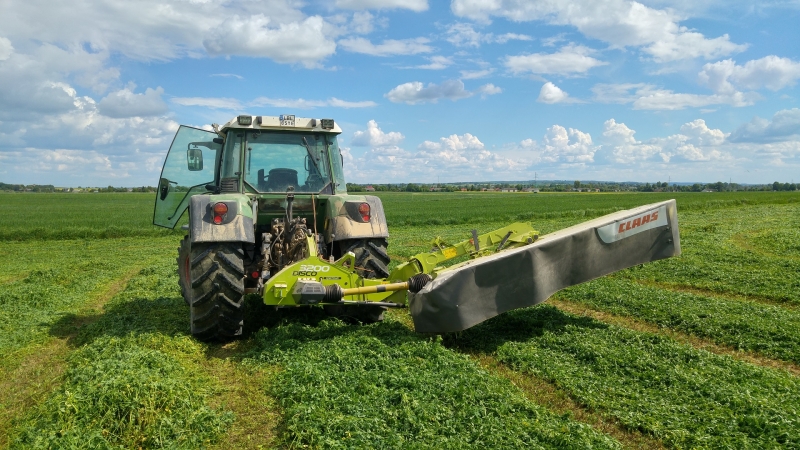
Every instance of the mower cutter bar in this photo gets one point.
(466, 294)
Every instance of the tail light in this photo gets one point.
(220, 209)
(363, 210)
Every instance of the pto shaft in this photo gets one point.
(335, 293)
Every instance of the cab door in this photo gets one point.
(188, 168)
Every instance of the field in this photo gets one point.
(700, 351)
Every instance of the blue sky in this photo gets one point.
(91, 92)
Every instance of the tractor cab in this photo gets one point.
(262, 157)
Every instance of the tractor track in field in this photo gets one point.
(705, 292)
(697, 342)
(242, 390)
(547, 394)
(41, 369)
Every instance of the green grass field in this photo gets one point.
(700, 351)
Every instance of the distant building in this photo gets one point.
(369, 188)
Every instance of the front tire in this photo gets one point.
(217, 290)
(372, 261)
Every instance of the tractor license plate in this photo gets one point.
(287, 120)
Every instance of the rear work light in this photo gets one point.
(363, 210)
(245, 120)
(220, 209)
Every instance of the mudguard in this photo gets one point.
(345, 222)
(238, 225)
(467, 294)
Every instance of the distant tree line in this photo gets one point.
(50, 188)
(574, 186)
(542, 186)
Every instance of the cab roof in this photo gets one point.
(288, 122)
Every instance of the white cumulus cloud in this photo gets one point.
(463, 34)
(436, 63)
(621, 23)
(413, 5)
(550, 94)
(696, 142)
(210, 102)
(415, 92)
(769, 72)
(388, 47)
(124, 103)
(302, 42)
(625, 149)
(569, 60)
(784, 126)
(649, 97)
(375, 137)
(571, 146)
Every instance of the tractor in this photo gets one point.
(269, 214)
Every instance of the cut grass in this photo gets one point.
(64, 280)
(767, 330)
(137, 380)
(547, 394)
(635, 324)
(243, 391)
(382, 386)
(42, 366)
(680, 395)
(726, 254)
(125, 392)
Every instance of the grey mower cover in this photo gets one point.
(480, 289)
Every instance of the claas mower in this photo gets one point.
(269, 214)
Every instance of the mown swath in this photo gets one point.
(683, 396)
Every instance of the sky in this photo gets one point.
(92, 92)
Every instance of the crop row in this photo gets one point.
(135, 381)
(685, 397)
(772, 331)
(752, 251)
(50, 284)
(382, 386)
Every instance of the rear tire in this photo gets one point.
(217, 290)
(372, 261)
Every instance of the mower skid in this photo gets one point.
(465, 295)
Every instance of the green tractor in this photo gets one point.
(255, 188)
(269, 214)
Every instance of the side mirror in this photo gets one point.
(194, 158)
(163, 188)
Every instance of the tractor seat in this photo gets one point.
(279, 180)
